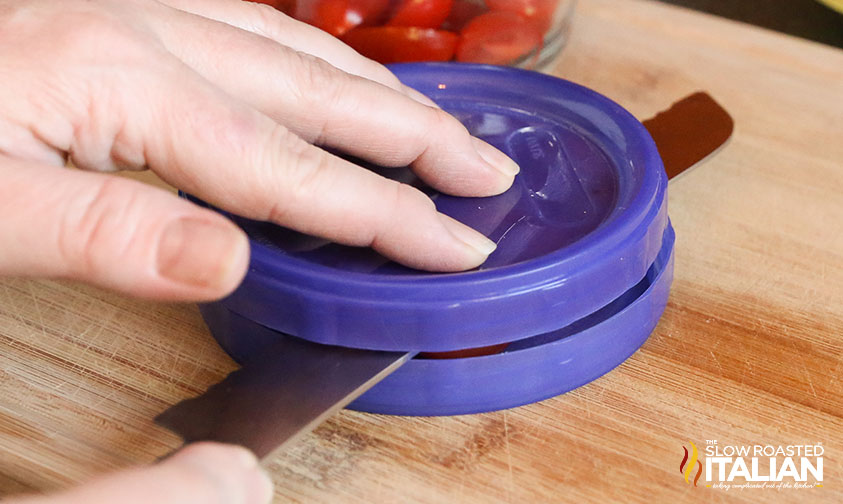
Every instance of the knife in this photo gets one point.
(280, 395)
(295, 385)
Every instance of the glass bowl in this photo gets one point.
(521, 33)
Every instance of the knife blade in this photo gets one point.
(295, 385)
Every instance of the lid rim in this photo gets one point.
(449, 311)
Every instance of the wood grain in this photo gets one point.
(750, 349)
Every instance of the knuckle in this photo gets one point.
(385, 76)
(313, 174)
(409, 196)
(316, 83)
(265, 20)
(444, 124)
(94, 33)
(100, 60)
(291, 172)
(405, 200)
(99, 227)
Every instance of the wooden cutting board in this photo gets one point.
(750, 349)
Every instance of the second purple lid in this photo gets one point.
(582, 224)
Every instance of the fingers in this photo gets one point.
(205, 473)
(332, 108)
(114, 233)
(240, 160)
(270, 23)
(146, 108)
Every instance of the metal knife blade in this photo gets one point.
(283, 394)
(295, 385)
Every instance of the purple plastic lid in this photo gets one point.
(529, 370)
(581, 225)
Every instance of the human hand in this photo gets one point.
(204, 473)
(226, 100)
(230, 101)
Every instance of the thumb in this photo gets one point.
(115, 233)
(205, 473)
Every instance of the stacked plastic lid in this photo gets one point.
(579, 279)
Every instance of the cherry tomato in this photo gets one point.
(538, 12)
(421, 13)
(394, 44)
(468, 352)
(285, 6)
(462, 12)
(339, 16)
(498, 38)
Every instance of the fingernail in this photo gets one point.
(470, 237)
(200, 253)
(497, 159)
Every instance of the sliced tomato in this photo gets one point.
(498, 38)
(285, 6)
(421, 13)
(538, 12)
(462, 12)
(463, 354)
(339, 16)
(395, 44)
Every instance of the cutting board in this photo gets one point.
(750, 349)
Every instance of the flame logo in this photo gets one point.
(687, 466)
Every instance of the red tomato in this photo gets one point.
(468, 352)
(395, 44)
(462, 12)
(421, 13)
(538, 12)
(339, 16)
(285, 6)
(498, 38)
